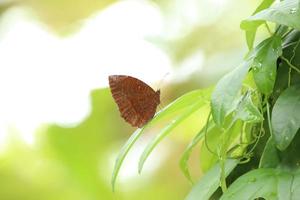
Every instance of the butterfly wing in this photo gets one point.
(136, 100)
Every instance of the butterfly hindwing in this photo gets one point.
(136, 100)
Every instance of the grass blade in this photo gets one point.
(182, 102)
(187, 152)
(149, 148)
(125, 149)
(185, 101)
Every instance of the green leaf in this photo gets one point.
(269, 158)
(251, 27)
(281, 30)
(286, 117)
(285, 13)
(225, 93)
(214, 139)
(207, 158)
(264, 183)
(183, 102)
(264, 58)
(187, 152)
(263, 5)
(180, 103)
(250, 35)
(289, 158)
(209, 183)
(166, 130)
(125, 149)
(284, 186)
(247, 111)
(295, 188)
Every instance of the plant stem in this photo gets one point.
(269, 118)
(205, 136)
(290, 64)
(223, 176)
(289, 77)
(268, 28)
(223, 157)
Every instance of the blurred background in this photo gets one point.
(60, 130)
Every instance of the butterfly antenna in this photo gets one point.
(161, 106)
(161, 81)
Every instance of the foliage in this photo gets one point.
(254, 117)
(74, 161)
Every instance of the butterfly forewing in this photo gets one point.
(136, 100)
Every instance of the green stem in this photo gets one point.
(223, 157)
(257, 139)
(205, 136)
(223, 176)
(294, 51)
(268, 28)
(269, 118)
(243, 131)
(289, 77)
(290, 64)
(286, 34)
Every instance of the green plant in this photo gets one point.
(250, 140)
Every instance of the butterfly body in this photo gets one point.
(136, 100)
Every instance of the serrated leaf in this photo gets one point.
(209, 183)
(263, 63)
(222, 100)
(286, 117)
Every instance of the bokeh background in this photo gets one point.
(60, 130)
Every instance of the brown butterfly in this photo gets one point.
(136, 100)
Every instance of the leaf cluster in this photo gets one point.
(250, 141)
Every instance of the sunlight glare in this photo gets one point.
(48, 79)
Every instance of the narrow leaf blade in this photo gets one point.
(149, 148)
(183, 102)
(124, 151)
(180, 103)
(187, 152)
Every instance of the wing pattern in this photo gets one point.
(136, 100)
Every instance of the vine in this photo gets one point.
(251, 130)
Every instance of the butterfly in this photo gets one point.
(136, 100)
